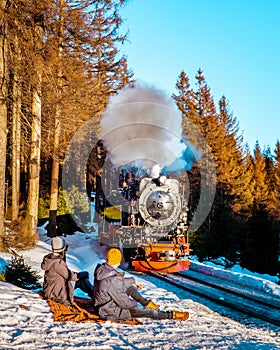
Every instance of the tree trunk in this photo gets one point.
(16, 133)
(55, 174)
(55, 161)
(3, 118)
(31, 219)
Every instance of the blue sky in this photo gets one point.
(236, 43)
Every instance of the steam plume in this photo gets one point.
(141, 127)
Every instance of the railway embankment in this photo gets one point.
(243, 279)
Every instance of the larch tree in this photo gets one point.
(66, 101)
(264, 232)
(17, 25)
(271, 225)
(109, 67)
(236, 180)
(192, 121)
(216, 230)
(83, 69)
(186, 105)
(57, 122)
(16, 131)
(200, 124)
(273, 181)
(3, 116)
(219, 232)
(261, 190)
(234, 176)
(31, 218)
(185, 101)
(18, 44)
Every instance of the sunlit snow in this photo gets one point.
(27, 323)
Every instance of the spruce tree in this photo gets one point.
(198, 109)
(259, 251)
(20, 274)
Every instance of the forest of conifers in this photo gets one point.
(60, 61)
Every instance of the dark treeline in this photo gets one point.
(60, 61)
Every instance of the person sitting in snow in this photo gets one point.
(58, 278)
(116, 297)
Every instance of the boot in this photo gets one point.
(180, 315)
(152, 305)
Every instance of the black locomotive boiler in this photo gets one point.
(147, 218)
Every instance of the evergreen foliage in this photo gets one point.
(20, 274)
(69, 202)
(78, 59)
(243, 224)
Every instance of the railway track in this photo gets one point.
(257, 305)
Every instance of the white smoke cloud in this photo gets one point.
(155, 171)
(141, 126)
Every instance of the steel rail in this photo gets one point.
(214, 297)
(263, 300)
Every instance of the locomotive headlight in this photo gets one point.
(147, 230)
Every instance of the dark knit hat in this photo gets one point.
(58, 244)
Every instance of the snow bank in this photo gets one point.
(237, 277)
(27, 323)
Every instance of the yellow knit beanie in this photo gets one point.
(114, 256)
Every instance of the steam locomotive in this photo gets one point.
(148, 219)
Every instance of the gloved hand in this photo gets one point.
(83, 275)
(138, 284)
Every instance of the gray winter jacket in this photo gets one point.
(110, 298)
(57, 279)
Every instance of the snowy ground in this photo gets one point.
(27, 323)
